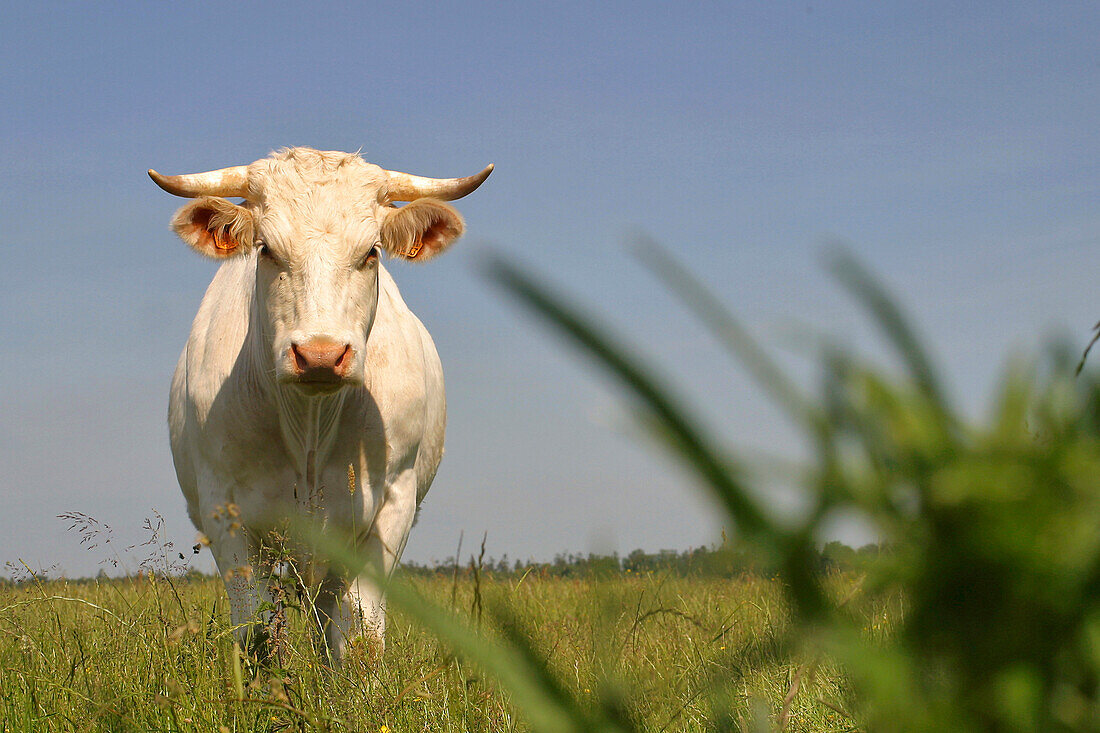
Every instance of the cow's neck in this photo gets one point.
(308, 426)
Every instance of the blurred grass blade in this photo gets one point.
(548, 706)
(730, 332)
(545, 703)
(681, 432)
(859, 282)
(514, 635)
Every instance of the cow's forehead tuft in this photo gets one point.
(289, 175)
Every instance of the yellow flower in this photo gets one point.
(384, 729)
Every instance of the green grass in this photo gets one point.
(143, 654)
(982, 615)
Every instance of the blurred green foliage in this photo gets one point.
(993, 525)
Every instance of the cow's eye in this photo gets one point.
(266, 252)
(370, 258)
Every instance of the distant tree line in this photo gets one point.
(723, 561)
(726, 560)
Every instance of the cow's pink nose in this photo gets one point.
(321, 360)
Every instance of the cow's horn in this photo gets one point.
(406, 187)
(224, 182)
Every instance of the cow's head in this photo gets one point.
(315, 223)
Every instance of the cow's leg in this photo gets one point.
(248, 585)
(336, 618)
(383, 548)
(358, 607)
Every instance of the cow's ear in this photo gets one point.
(215, 227)
(421, 229)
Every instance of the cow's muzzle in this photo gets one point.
(320, 362)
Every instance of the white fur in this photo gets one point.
(251, 447)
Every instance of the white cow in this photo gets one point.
(307, 385)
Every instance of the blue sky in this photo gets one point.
(953, 147)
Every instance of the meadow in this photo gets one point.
(979, 612)
(156, 653)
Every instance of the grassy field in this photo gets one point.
(989, 530)
(146, 654)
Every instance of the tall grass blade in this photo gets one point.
(859, 282)
(731, 333)
(238, 673)
(683, 433)
(517, 667)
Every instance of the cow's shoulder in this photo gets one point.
(219, 390)
(404, 380)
